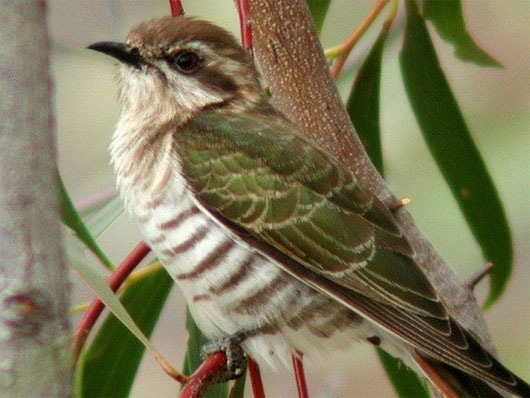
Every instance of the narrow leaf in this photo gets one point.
(238, 391)
(91, 205)
(450, 143)
(71, 218)
(193, 357)
(405, 381)
(448, 19)
(318, 9)
(97, 282)
(363, 102)
(363, 107)
(104, 217)
(108, 367)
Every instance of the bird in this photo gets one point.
(269, 236)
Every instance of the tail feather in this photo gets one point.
(454, 383)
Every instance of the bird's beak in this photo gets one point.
(121, 51)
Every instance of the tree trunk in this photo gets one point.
(35, 338)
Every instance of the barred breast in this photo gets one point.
(227, 284)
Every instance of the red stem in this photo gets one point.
(243, 10)
(176, 8)
(115, 281)
(255, 378)
(299, 375)
(204, 376)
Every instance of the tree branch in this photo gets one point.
(299, 375)
(207, 374)
(288, 50)
(35, 339)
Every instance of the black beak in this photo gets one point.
(121, 51)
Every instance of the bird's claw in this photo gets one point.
(236, 362)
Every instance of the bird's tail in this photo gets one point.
(454, 383)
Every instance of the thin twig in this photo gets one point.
(244, 23)
(205, 375)
(345, 48)
(474, 280)
(176, 8)
(255, 378)
(97, 306)
(299, 375)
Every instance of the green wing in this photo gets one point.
(299, 206)
(286, 191)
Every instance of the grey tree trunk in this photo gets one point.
(35, 338)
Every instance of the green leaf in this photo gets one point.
(193, 357)
(363, 107)
(448, 20)
(89, 210)
(405, 381)
(363, 102)
(238, 390)
(97, 282)
(108, 367)
(450, 143)
(71, 218)
(104, 217)
(318, 10)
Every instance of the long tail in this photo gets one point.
(454, 383)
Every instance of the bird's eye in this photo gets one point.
(186, 62)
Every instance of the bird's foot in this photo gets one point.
(236, 362)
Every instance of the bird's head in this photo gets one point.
(183, 65)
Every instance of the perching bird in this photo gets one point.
(263, 230)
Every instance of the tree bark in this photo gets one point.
(288, 50)
(35, 338)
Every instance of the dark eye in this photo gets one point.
(186, 62)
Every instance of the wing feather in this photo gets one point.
(298, 206)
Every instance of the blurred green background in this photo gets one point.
(496, 105)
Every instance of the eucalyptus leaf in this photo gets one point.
(448, 19)
(108, 367)
(238, 391)
(104, 217)
(96, 281)
(405, 381)
(363, 102)
(318, 10)
(97, 202)
(449, 141)
(71, 218)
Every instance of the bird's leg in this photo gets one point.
(236, 362)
